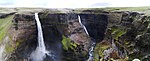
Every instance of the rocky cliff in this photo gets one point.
(119, 35)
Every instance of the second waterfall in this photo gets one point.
(91, 50)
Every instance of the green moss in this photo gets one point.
(17, 43)
(9, 48)
(4, 26)
(116, 32)
(99, 49)
(68, 44)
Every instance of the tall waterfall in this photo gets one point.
(41, 44)
(91, 50)
(40, 53)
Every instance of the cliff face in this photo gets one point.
(119, 35)
(125, 36)
(23, 32)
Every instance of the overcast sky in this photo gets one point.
(74, 3)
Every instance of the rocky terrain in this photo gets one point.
(119, 34)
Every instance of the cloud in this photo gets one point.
(73, 3)
(6, 2)
(128, 3)
(100, 5)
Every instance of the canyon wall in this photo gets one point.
(119, 35)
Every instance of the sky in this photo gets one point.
(74, 3)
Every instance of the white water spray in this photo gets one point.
(91, 50)
(40, 53)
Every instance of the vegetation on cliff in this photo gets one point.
(130, 32)
(4, 26)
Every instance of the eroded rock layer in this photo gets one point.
(118, 35)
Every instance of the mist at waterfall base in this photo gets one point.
(40, 53)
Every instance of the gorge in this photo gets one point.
(76, 35)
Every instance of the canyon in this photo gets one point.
(69, 35)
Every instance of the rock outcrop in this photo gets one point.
(119, 35)
(129, 32)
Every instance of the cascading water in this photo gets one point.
(41, 44)
(83, 25)
(91, 50)
(40, 53)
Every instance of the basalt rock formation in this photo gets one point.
(120, 35)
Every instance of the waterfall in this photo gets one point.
(41, 44)
(83, 25)
(91, 50)
(40, 53)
